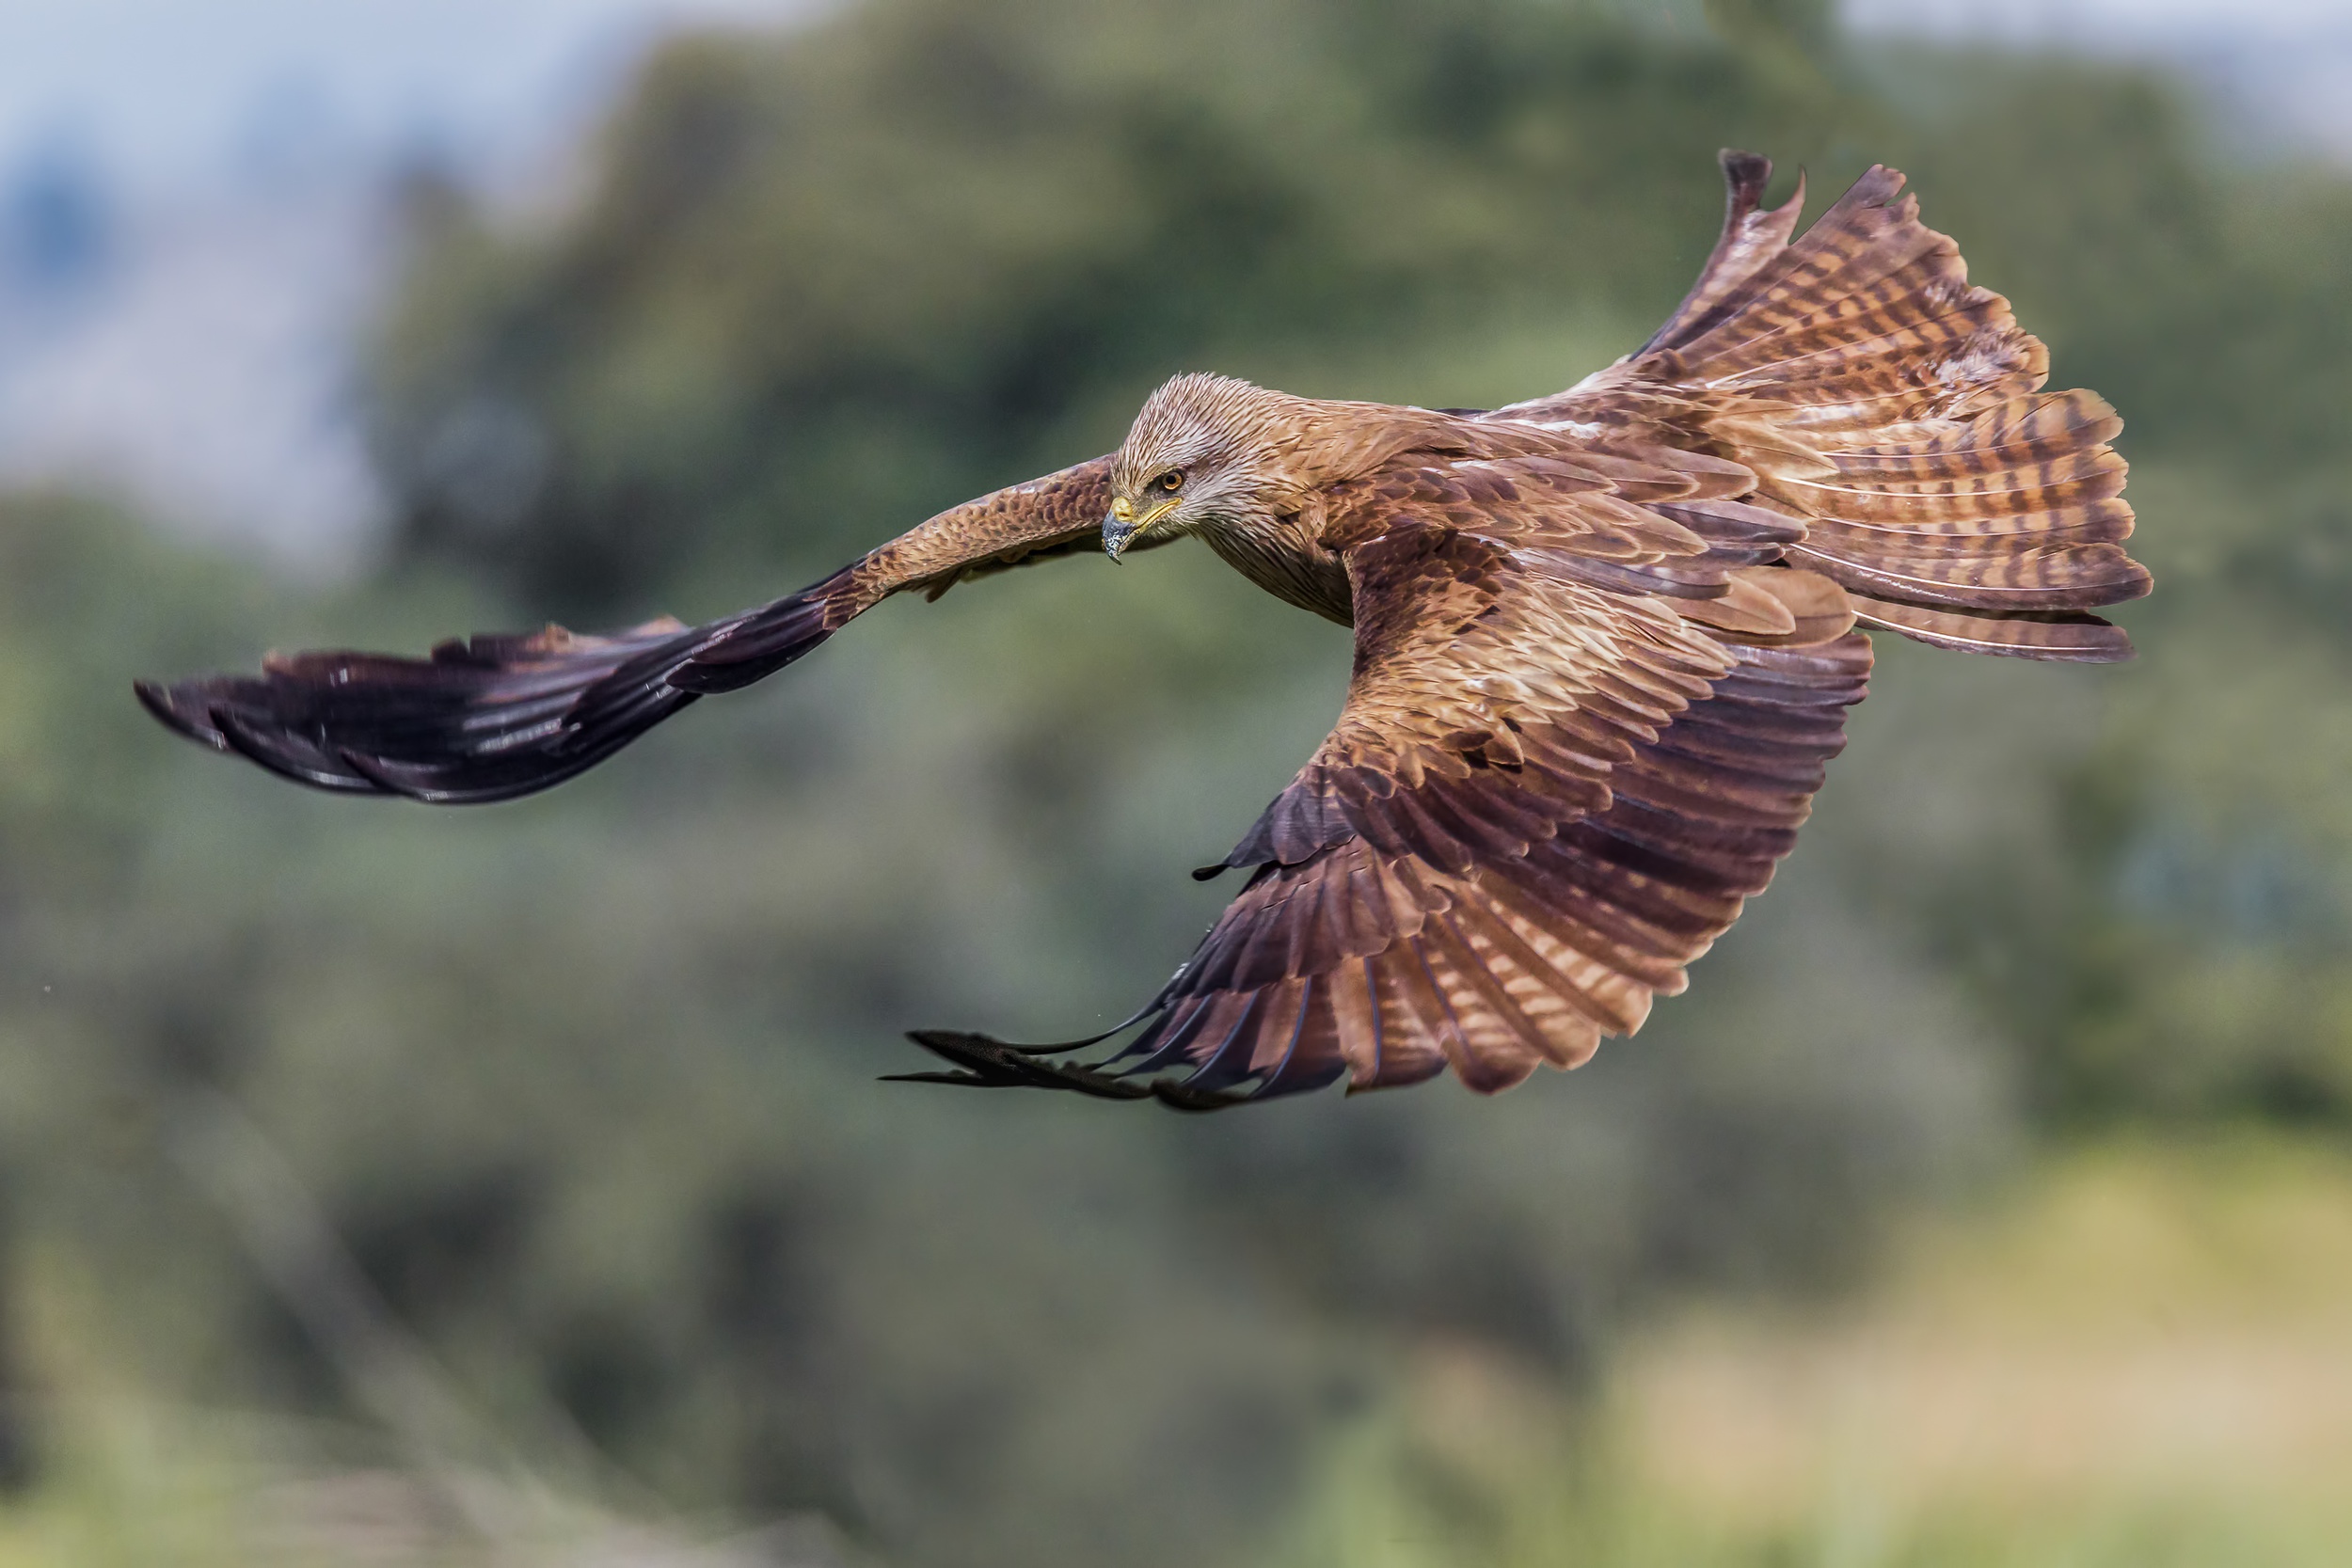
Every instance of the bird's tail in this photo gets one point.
(1897, 410)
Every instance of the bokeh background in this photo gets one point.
(381, 1185)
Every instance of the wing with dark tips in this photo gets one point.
(480, 720)
(1545, 796)
(492, 717)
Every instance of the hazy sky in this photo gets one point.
(2279, 70)
(2033, 16)
(158, 89)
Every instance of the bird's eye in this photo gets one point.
(1171, 479)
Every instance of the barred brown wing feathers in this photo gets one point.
(2073, 636)
(2016, 511)
(1374, 965)
(1751, 236)
(1869, 302)
(1893, 409)
(1541, 801)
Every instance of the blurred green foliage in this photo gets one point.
(586, 1081)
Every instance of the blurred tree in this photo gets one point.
(585, 1080)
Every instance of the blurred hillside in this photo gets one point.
(585, 1083)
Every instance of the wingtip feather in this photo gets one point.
(163, 703)
(1746, 175)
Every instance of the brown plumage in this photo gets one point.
(1604, 645)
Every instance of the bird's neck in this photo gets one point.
(1283, 554)
(1311, 447)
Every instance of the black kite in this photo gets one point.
(1604, 646)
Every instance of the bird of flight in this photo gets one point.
(1605, 640)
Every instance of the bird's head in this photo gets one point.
(1206, 449)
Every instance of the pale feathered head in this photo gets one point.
(1204, 450)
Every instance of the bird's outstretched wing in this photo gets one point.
(1896, 410)
(1585, 721)
(494, 716)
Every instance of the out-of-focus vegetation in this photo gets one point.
(585, 1083)
(2135, 1359)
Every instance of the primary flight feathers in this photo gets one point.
(1604, 645)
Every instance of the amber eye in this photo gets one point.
(1172, 480)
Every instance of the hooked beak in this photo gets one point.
(1121, 527)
